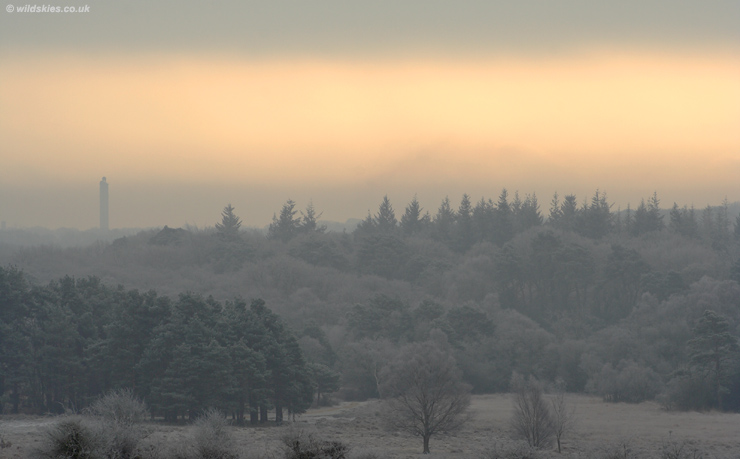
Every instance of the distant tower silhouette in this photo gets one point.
(103, 204)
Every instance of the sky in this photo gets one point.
(186, 106)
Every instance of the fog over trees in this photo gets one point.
(631, 305)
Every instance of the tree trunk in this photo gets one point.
(240, 412)
(717, 386)
(426, 444)
(278, 414)
(16, 399)
(253, 409)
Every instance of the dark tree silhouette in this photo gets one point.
(713, 349)
(309, 223)
(229, 227)
(443, 222)
(385, 219)
(285, 227)
(412, 221)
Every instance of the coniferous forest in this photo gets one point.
(634, 304)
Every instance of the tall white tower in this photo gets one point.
(103, 204)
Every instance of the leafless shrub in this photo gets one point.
(532, 420)
(70, 438)
(673, 449)
(212, 437)
(118, 416)
(563, 416)
(120, 407)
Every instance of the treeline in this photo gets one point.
(65, 343)
(499, 221)
(609, 302)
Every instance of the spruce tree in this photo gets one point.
(443, 222)
(464, 236)
(285, 227)
(309, 221)
(385, 219)
(412, 221)
(228, 229)
(503, 229)
(713, 349)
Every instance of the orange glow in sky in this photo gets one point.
(205, 119)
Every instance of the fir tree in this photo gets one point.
(228, 229)
(285, 227)
(309, 221)
(713, 349)
(385, 219)
(412, 221)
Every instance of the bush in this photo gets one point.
(301, 445)
(118, 415)
(69, 439)
(107, 430)
(673, 449)
(629, 382)
(120, 407)
(532, 420)
(212, 437)
(687, 391)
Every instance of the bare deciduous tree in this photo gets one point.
(563, 416)
(531, 420)
(424, 393)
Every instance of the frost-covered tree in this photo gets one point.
(423, 392)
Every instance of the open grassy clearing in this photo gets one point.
(601, 427)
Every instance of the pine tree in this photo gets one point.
(366, 227)
(502, 224)
(556, 213)
(597, 217)
(569, 213)
(528, 214)
(676, 223)
(483, 216)
(309, 223)
(655, 217)
(285, 227)
(385, 219)
(412, 221)
(683, 221)
(629, 220)
(713, 349)
(228, 229)
(464, 225)
(443, 222)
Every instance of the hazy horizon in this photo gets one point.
(186, 107)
